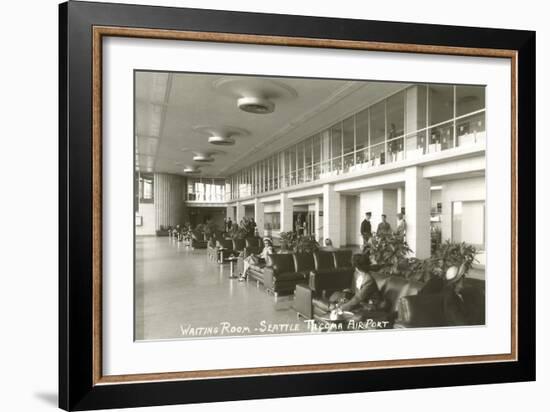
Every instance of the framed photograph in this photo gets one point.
(256, 205)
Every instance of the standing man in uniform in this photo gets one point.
(401, 229)
(366, 229)
(384, 228)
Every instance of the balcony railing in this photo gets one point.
(461, 131)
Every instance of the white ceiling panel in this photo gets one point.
(174, 110)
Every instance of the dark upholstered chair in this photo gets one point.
(238, 245)
(311, 301)
(198, 244)
(280, 275)
(224, 249)
(252, 245)
(428, 309)
(289, 270)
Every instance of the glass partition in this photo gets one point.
(413, 122)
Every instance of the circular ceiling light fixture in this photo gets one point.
(191, 169)
(256, 105)
(221, 140)
(255, 95)
(221, 135)
(203, 156)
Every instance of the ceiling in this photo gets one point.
(175, 112)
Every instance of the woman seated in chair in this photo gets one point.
(257, 259)
(364, 296)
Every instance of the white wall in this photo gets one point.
(353, 221)
(460, 190)
(435, 197)
(147, 213)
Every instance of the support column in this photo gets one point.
(240, 212)
(168, 199)
(286, 213)
(417, 207)
(331, 215)
(400, 198)
(230, 213)
(318, 220)
(343, 219)
(259, 216)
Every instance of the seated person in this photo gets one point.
(257, 259)
(328, 246)
(364, 296)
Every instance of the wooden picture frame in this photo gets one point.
(82, 385)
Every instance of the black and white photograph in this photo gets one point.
(276, 206)
(290, 205)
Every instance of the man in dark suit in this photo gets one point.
(366, 229)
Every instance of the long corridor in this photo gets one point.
(179, 291)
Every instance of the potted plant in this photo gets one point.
(288, 241)
(455, 254)
(198, 232)
(389, 251)
(210, 229)
(306, 244)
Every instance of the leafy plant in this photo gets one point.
(210, 229)
(447, 255)
(389, 251)
(419, 269)
(239, 232)
(455, 254)
(288, 240)
(199, 232)
(306, 244)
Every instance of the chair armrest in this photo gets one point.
(330, 279)
(303, 296)
(269, 275)
(420, 311)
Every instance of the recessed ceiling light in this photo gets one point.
(201, 157)
(191, 170)
(221, 135)
(255, 95)
(256, 105)
(221, 140)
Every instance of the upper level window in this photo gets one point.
(415, 121)
(469, 99)
(395, 115)
(440, 104)
(377, 123)
(146, 194)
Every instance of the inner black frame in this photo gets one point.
(76, 388)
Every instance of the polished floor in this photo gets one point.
(180, 293)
